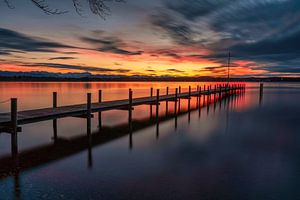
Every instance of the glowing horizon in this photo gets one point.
(175, 40)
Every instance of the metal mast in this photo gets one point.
(228, 77)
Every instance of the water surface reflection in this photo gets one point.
(233, 149)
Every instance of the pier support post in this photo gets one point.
(130, 94)
(157, 113)
(175, 106)
(167, 102)
(175, 102)
(189, 104)
(157, 105)
(151, 95)
(197, 98)
(89, 113)
(199, 102)
(99, 113)
(179, 100)
(14, 126)
(54, 101)
(130, 109)
(261, 92)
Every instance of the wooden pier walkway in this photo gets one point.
(37, 115)
(9, 122)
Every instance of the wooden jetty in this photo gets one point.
(10, 122)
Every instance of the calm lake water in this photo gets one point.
(240, 148)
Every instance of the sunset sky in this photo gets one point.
(154, 37)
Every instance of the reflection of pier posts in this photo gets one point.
(99, 113)
(55, 120)
(14, 126)
(90, 156)
(17, 187)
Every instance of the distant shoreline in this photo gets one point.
(152, 79)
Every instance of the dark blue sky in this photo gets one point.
(157, 37)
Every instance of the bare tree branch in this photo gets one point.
(97, 7)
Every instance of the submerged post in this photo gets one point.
(14, 126)
(89, 113)
(54, 97)
(99, 113)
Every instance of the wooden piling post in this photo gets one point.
(175, 102)
(99, 113)
(54, 97)
(189, 99)
(167, 102)
(89, 113)
(151, 95)
(179, 100)
(14, 126)
(261, 92)
(215, 91)
(130, 96)
(157, 104)
(197, 96)
(199, 102)
(130, 93)
(261, 89)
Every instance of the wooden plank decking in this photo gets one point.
(37, 115)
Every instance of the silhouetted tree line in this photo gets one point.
(97, 7)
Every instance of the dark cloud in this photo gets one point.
(266, 32)
(76, 67)
(196, 8)
(109, 44)
(175, 70)
(179, 31)
(12, 41)
(62, 58)
(166, 52)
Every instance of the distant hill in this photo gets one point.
(86, 76)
